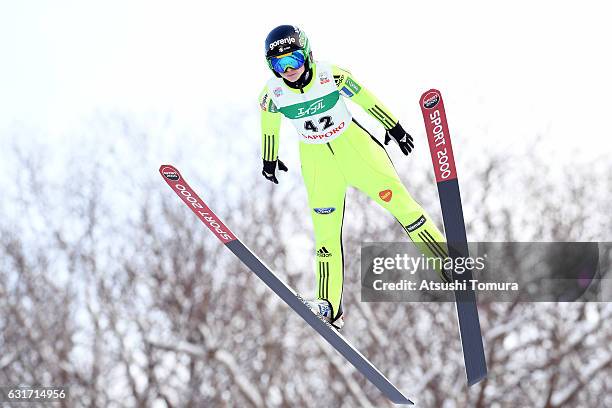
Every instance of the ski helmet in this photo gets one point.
(286, 39)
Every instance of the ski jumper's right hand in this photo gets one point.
(270, 128)
(269, 168)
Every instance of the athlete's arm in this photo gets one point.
(270, 126)
(351, 89)
(270, 129)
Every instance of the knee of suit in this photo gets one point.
(407, 211)
(399, 202)
(428, 238)
(327, 227)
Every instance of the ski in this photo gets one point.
(176, 181)
(443, 162)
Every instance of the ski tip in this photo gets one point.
(169, 172)
(431, 90)
(168, 166)
(430, 99)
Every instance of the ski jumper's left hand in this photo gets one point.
(403, 138)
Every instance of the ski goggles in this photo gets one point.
(292, 60)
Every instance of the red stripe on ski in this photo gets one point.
(182, 189)
(438, 135)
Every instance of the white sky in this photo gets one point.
(507, 71)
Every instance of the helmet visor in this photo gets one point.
(292, 60)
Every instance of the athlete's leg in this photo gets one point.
(326, 188)
(373, 173)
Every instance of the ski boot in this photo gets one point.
(323, 308)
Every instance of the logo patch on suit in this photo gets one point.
(420, 221)
(326, 210)
(345, 91)
(278, 91)
(352, 85)
(323, 78)
(323, 252)
(386, 195)
(264, 103)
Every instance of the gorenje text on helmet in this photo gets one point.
(288, 40)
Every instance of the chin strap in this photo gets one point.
(302, 81)
(305, 78)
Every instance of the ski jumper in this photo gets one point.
(336, 152)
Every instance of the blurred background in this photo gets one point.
(110, 285)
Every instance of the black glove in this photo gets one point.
(403, 139)
(269, 168)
